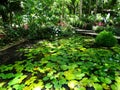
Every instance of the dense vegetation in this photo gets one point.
(106, 39)
(61, 59)
(64, 64)
(25, 18)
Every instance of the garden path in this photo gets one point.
(91, 32)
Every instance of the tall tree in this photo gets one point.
(81, 5)
(7, 7)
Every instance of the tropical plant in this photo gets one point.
(63, 64)
(105, 39)
(7, 7)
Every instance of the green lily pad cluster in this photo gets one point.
(63, 64)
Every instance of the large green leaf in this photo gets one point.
(48, 86)
(98, 86)
(72, 84)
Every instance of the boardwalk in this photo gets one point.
(91, 32)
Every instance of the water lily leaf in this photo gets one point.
(50, 65)
(82, 49)
(105, 86)
(18, 75)
(18, 68)
(46, 78)
(9, 88)
(18, 87)
(62, 81)
(54, 81)
(84, 82)
(22, 78)
(80, 88)
(73, 65)
(101, 79)
(1, 84)
(41, 70)
(1, 88)
(29, 67)
(4, 68)
(31, 80)
(107, 81)
(80, 63)
(64, 67)
(39, 85)
(83, 58)
(57, 84)
(79, 76)
(94, 78)
(28, 87)
(48, 86)
(7, 76)
(17, 79)
(54, 58)
(114, 87)
(117, 85)
(13, 82)
(50, 75)
(117, 79)
(98, 86)
(72, 84)
(69, 75)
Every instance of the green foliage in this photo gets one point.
(6, 68)
(110, 29)
(117, 31)
(13, 34)
(36, 14)
(6, 76)
(107, 28)
(99, 29)
(6, 9)
(46, 32)
(85, 22)
(63, 64)
(67, 31)
(117, 20)
(106, 39)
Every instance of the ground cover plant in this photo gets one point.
(25, 18)
(68, 63)
(64, 64)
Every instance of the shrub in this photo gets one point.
(67, 31)
(37, 32)
(105, 39)
(99, 29)
(46, 32)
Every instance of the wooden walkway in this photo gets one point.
(91, 33)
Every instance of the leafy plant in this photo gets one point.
(63, 64)
(7, 76)
(105, 39)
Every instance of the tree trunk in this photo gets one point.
(81, 2)
(96, 7)
(89, 6)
